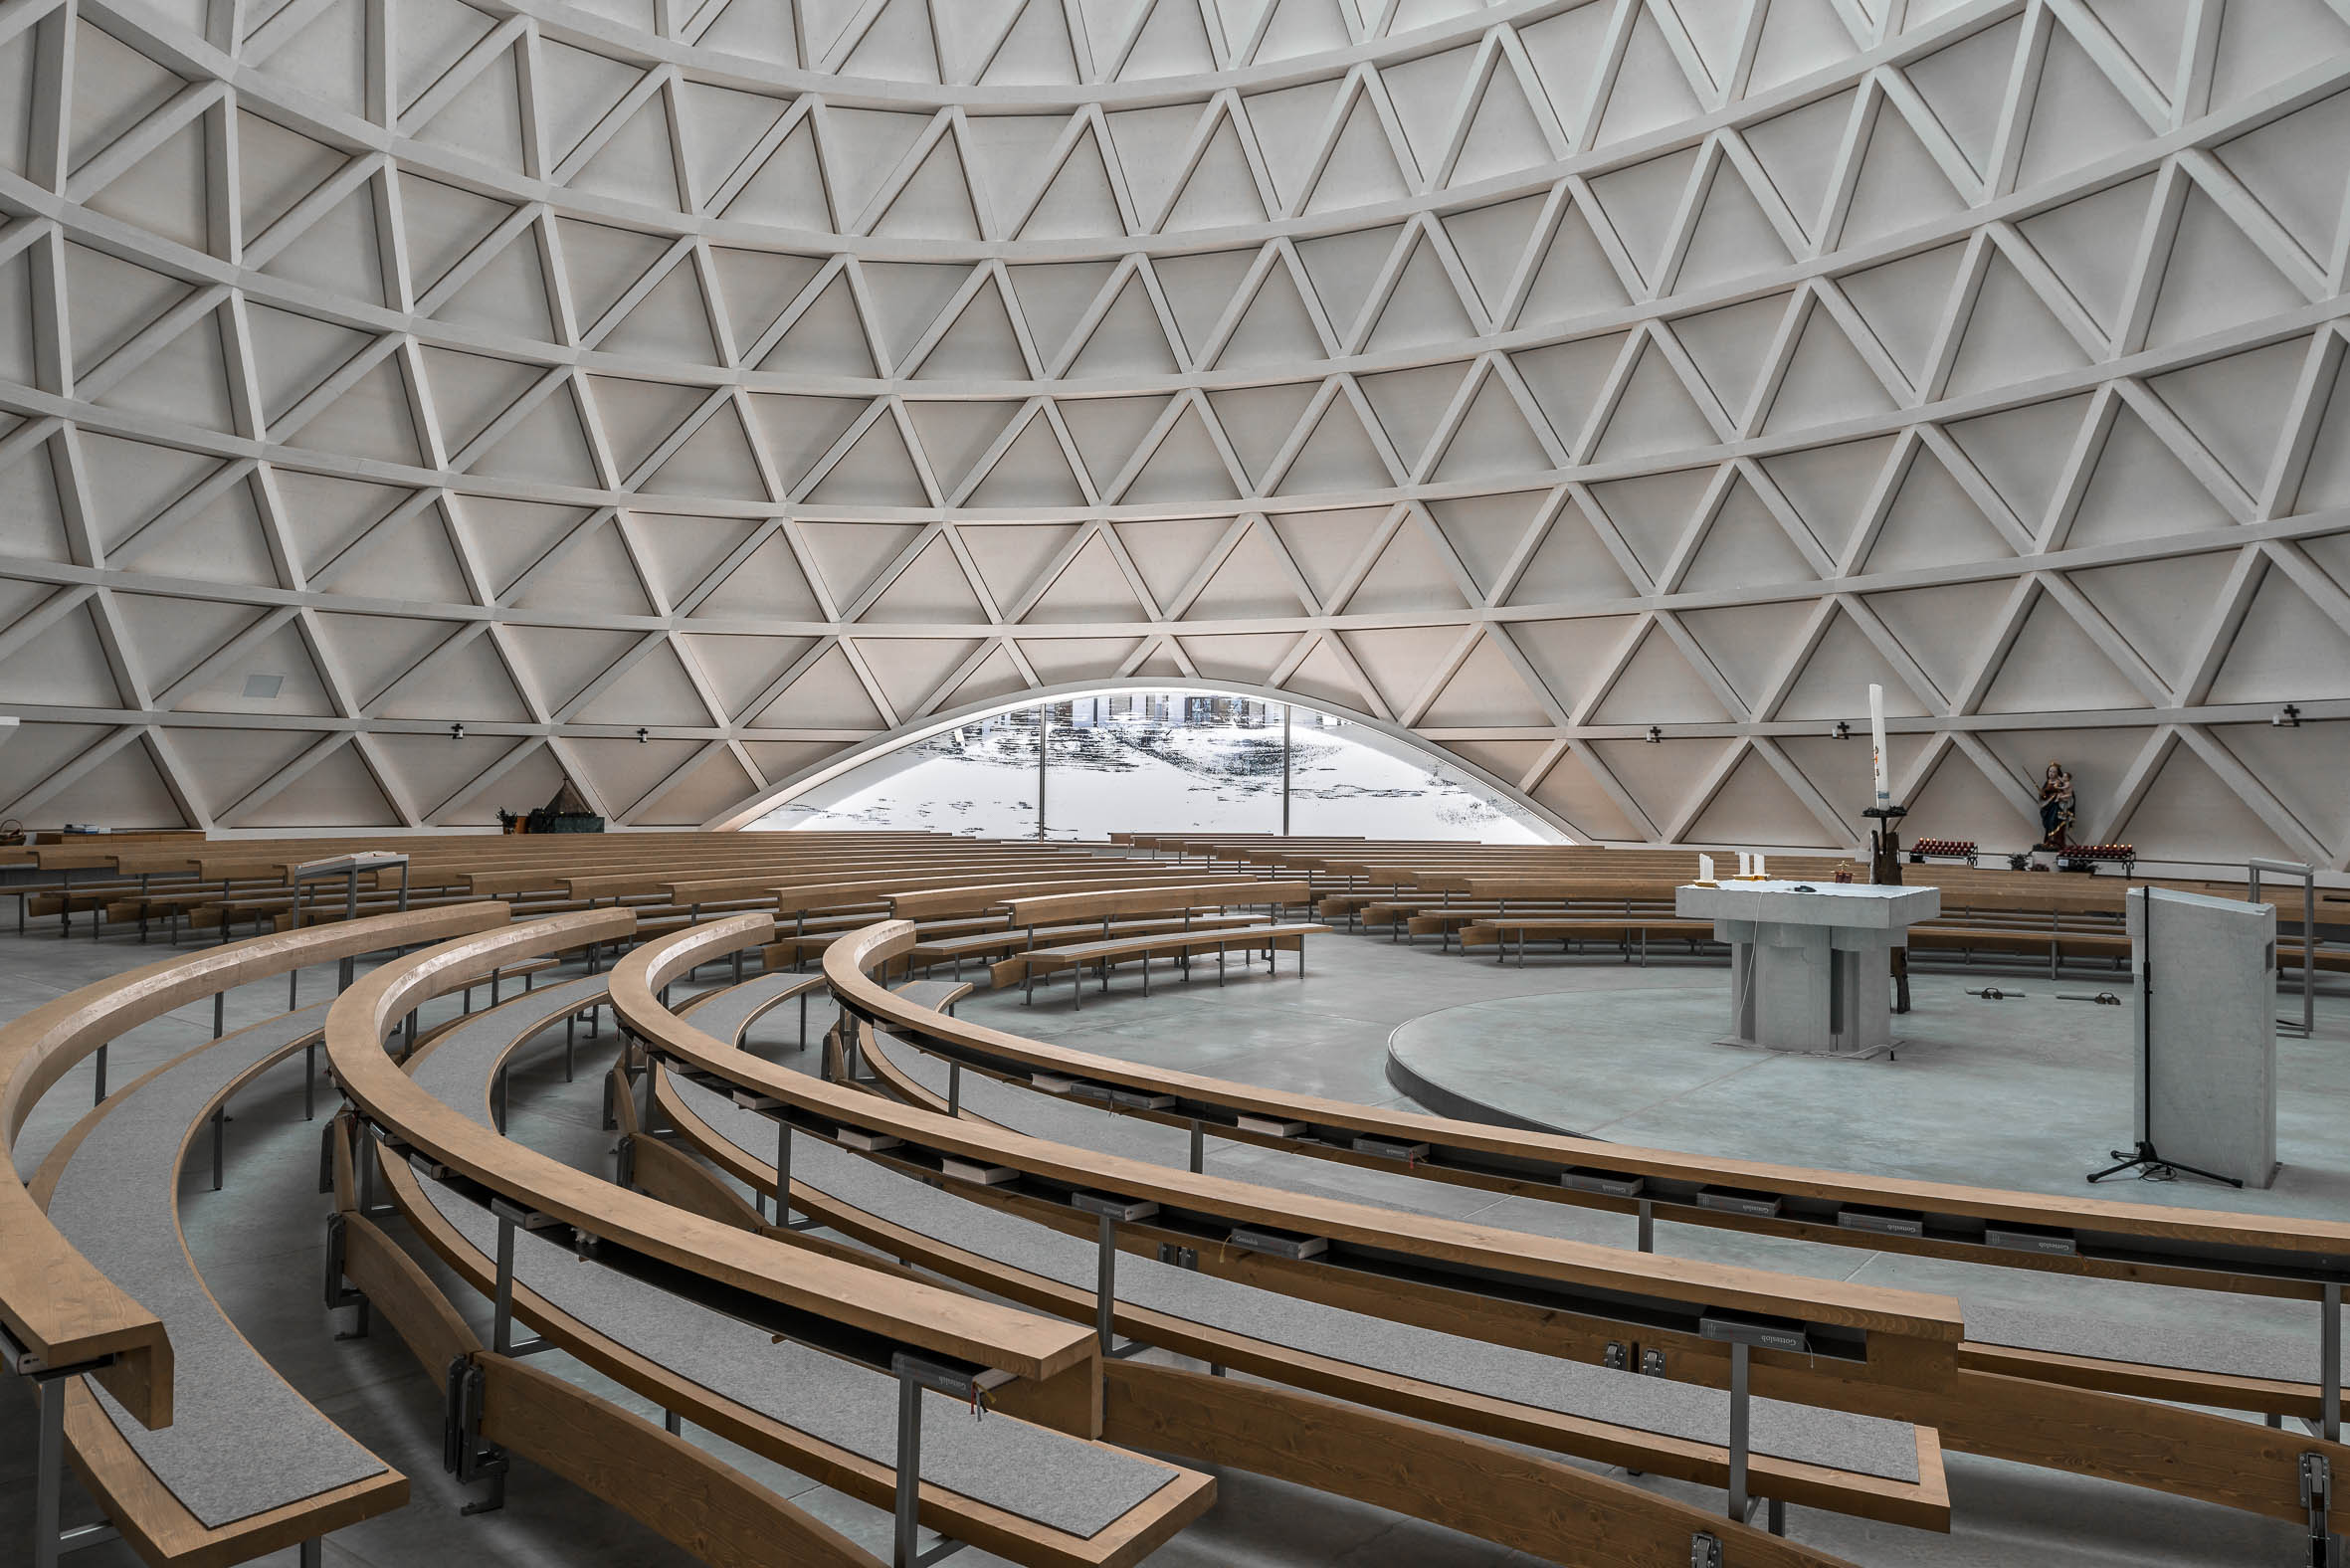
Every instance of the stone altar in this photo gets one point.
(1810, 965)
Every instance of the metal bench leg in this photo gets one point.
(49, 1473)
(1106, 1283)
(502, 1322)
(910, 1469)
(2325, 1547)
(462, 1453)
(1740, 1414)
(99, 1097)
(672, 1424)
(49, 1541)
(2329, 1365)
(338, 1291)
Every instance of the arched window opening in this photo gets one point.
(1163, 761)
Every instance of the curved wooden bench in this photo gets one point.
(2026, 1392)
(1016, 1487)
(1030, 965)
(1317, 1352)
(1495, 932)
(2260, 1370)
(1882, 1470)
(248, 1466)
(1681, 1410)
(933, 904)
(55, 1305)
(680, 1491)
(934, 949)
(932, 1321)
(1560, 1297)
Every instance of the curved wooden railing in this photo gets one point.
(904, 1312)
(53, 1301)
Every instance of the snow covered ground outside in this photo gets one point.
(1144, 774)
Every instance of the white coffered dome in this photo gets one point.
(781, 377)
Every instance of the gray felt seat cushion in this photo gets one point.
(2183, 1343)
(1033, 1472)
(457, 1068)
(1856, 1444)
(726, 1014)
(241, 1442)
(933, 994)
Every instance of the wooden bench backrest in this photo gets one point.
(253, 856)
(939, 904)
(869, 888)
(651, 872)
(1108, 904)
(906, 873)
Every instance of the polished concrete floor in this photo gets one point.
(1644, 1066)
(259, 1245)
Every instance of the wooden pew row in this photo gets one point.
(801, 1406)
(247, 1466)
(55, 1305)
(1372, 1449)
(2034, 1405)
(555, 891)
(263, 864)
(752, 878)
(952, 904)
(1586, 1295)
(396, 1108)
(198, 1452)
(680, 1491)
(645, 873)
(1178, 897)
(255, 886)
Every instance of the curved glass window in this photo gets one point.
(1163, 763)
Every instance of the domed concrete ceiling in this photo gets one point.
(779, 376)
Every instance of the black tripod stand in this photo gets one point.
(2144, 1158)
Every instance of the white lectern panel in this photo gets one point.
(2207, 1020)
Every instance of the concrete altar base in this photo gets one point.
(1788, 981)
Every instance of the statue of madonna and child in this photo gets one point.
(2055, 808)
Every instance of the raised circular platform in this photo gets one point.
(2028, 1093)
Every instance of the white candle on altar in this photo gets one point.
(1877, 746)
